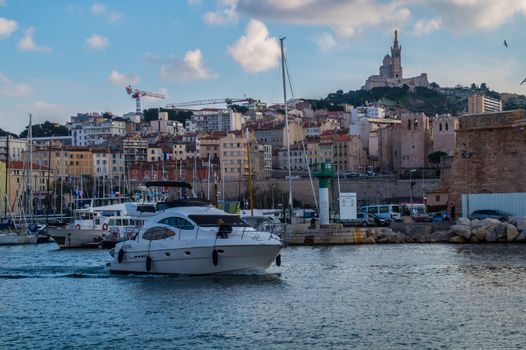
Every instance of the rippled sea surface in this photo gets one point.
(342, 297)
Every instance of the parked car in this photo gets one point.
(362, 219)
(437, 216)
(490, 214)
(418, 212)
(385, 211)
(380, 221)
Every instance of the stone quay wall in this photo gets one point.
(371, 190)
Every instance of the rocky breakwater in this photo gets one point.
(388, 235)
(463, 231)
(488, 230)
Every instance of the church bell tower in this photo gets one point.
(396, 55)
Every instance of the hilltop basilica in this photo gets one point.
(391, 72)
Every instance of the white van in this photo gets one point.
(418, 212)
(385, 211)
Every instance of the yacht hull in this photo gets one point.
(198, 260)
(71, 238)
(8, 238)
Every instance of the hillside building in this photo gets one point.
(483, 104)
(390, 74)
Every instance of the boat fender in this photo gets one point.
(77, 227)
(215, 257)
(278, 260)
(120, 256)
(148, 263)
(105, 226)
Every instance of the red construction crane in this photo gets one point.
(137, 94)
(217, 101)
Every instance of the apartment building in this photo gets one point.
(108, 164)
(212, 119)
(18, 183)
(135, 150)
(95, 130)
(17, 148)
(478, 104)
(234, 159)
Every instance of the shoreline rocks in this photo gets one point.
(462, 231)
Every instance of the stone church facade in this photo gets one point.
(391, 72)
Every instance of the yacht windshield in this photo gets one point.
(216, 220)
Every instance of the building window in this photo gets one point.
(437, 198)
(447, 126)
(416, 124)
(409, 124)
(440, 127)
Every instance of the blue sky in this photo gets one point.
(62, 57)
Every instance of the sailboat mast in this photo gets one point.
(48, 182)
(286, 126)
(30, 187)
(208, 180)
(251, 196)
(6, 178)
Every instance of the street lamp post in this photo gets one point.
(272, 192)
(411, 187)
(423, 182)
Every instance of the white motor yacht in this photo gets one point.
(93, 224)
(194, 238)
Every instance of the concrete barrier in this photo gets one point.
(324, 236)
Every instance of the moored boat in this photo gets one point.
(195, 238)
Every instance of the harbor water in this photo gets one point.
(369, 296)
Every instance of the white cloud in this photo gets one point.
(2, 3)
(326, 42)
(97, 42)
(28, 44)
(191, 67)
(194, 2)
(468, 15)
(110, 15)
(256, 51)
(345, 18)
(424, 27)
(10, 88)
(122, 79)
(227, 14)
(7, 27)
(349, 17)
(43, 107)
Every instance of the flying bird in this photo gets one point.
(505, 43)
(524, 81)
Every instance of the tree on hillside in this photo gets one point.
(239, 109)
(46, 129)
(5, 133)
(153, 114)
